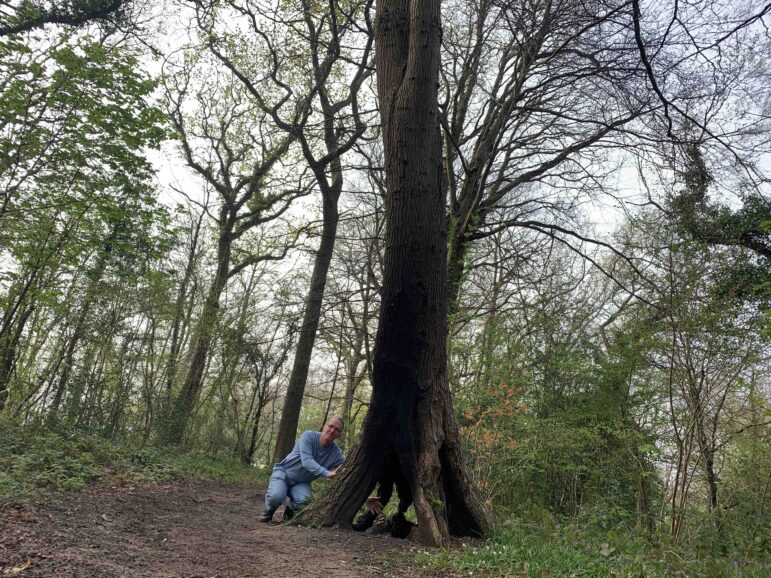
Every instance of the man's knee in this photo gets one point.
(274, 500)
(300, 493)
(277, 490)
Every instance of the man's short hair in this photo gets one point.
(338, 418)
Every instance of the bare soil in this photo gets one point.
(184, 529)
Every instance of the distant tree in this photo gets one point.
(700, 217)
(218, 145)
(541, 100)
(255, 340)
(708, 347)
(72, 166)
(305, 74)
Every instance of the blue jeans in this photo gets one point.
(281, 486)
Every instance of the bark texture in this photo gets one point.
(410, 422)
(295, 391)
(182, 410)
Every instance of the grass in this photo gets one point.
(35, 461)
(536, 551)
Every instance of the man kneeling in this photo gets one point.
(314, 455)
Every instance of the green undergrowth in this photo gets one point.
(520, 550)
(35, 460)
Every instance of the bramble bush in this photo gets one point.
(570, 463)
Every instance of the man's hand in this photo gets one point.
(333, 473)
(374, 505)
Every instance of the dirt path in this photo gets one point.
(184, 529)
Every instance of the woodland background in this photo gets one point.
(173, 177)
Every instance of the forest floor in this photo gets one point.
(191, 528)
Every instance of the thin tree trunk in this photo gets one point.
(708, 453)
(177, 420)
(121, 398)
(334, 387)
(8, 354)
(25, 301)
(355, 372)
(179, 309)
(68, 360)
(249, 455)
(290, 415)
(21, 305)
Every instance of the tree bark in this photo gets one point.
(9, 353)
(179, 307)
(410, 424)
(290, 415)
(177, 420)
(68, 361)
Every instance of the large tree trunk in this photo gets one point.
(410, 423)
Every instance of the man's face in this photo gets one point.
(332, 429)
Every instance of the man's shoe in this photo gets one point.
(266, 516)
(288, 514)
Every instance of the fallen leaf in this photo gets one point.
(606, 550)
(17, 569)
